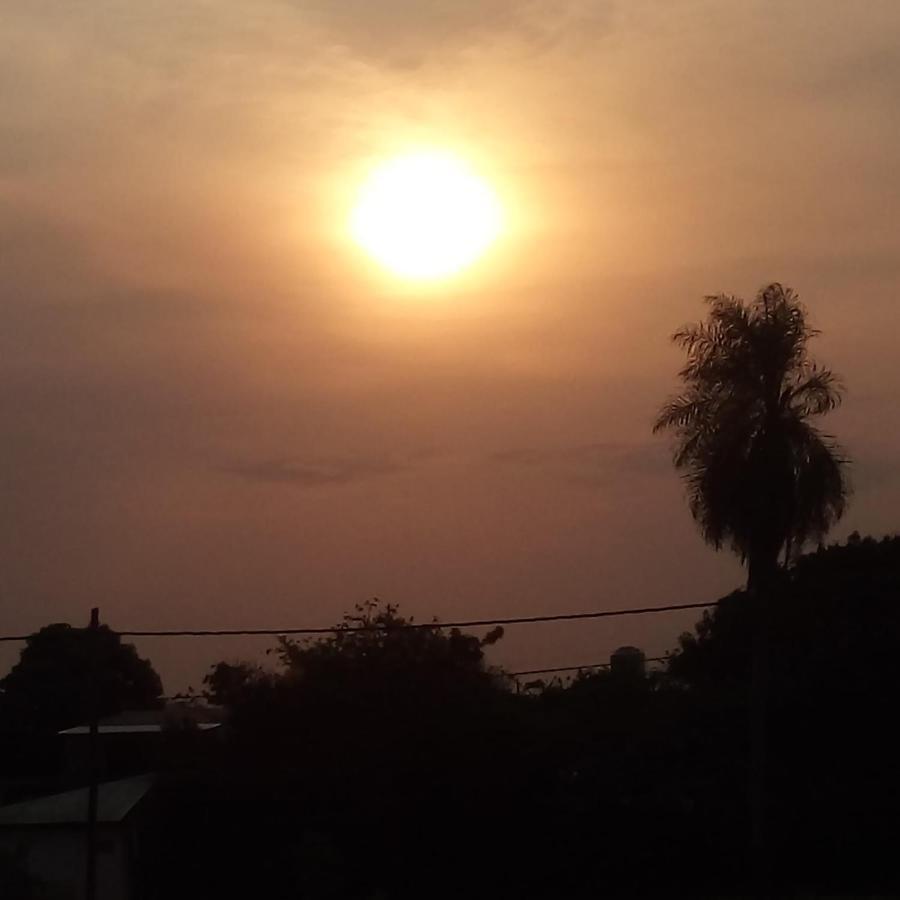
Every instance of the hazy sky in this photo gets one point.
(214, 412)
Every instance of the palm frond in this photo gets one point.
(821, 487)
(751, 462)
(816, 392)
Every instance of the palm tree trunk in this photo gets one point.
(761, 584)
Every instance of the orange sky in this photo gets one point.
(215, 412)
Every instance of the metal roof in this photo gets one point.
(150, 721)
(135, 729)
(115, 800)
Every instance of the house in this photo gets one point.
(49, 836)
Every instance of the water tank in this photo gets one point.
(628, 662)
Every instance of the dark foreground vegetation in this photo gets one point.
(384, 762)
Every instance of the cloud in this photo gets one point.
(406, 34)
(598, 464)
(317, 472)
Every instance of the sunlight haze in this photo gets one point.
(219, 410)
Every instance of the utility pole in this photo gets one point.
(90, 875)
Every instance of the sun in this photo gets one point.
(425, 215)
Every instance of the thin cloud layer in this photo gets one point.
(316, 473)
(408, 35)
(598, 464)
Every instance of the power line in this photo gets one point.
(577, 668)
(336, 629)
(470, 623)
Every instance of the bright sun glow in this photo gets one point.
(425, 215)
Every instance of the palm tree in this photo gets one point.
(760, 476)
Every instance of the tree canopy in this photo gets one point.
(375, 680)
(51, 685)
(388, 738)
(832, 663)
(836, 630)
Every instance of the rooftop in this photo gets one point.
(203, 716)
(134, 729)
(115, 800)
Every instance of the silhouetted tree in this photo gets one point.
(369, 753)
(227, 683)
(376, 643)
(837, 629)
(374, 680)
(760, 475)
(832, 673)
(50, 686)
